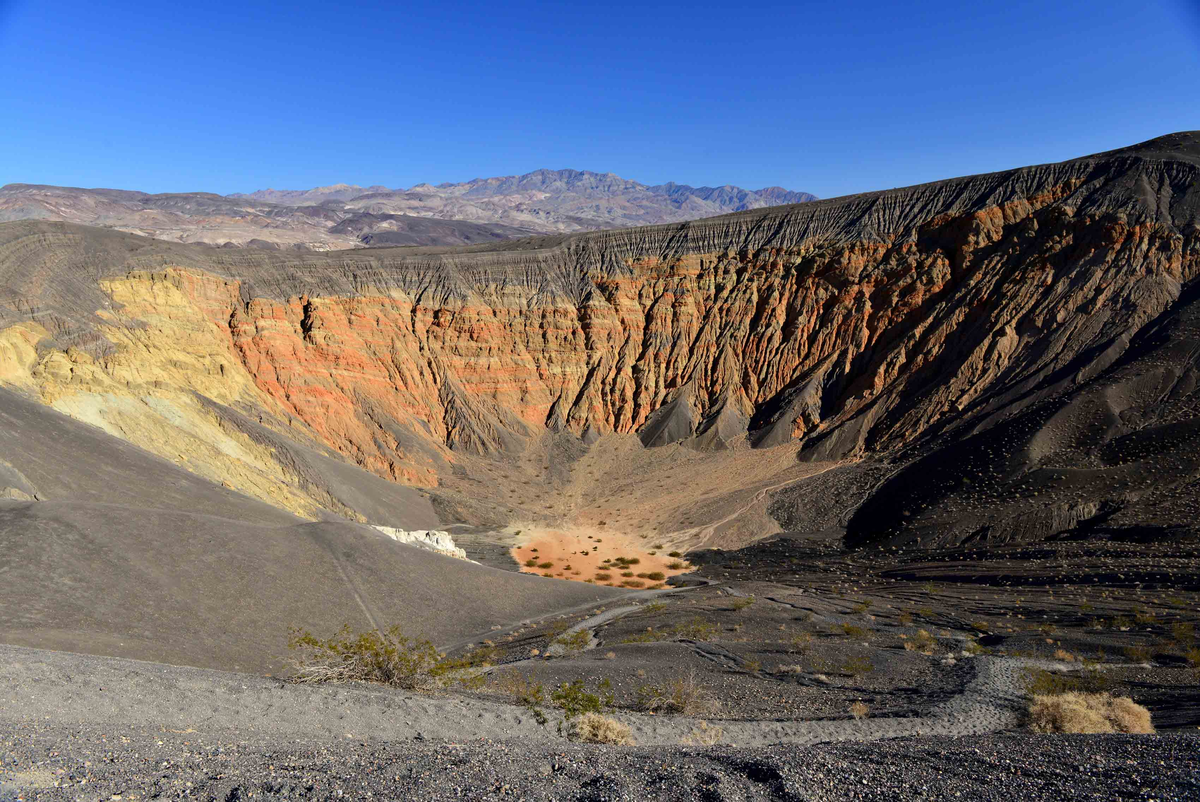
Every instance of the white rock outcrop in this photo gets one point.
(431, 539)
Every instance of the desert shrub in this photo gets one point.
(524, 691)
(545, 565)
(1064, 655)
(1088, 713)
(857, 665)
(389, 658)
(574, 699)
(531, 562)
(1183, 631)
(905, 618)
(861, 607)
(1137, 653)
(627, 574)
(676, 566)
(742, 602)
(655, 576)
(973, 647)
(853, 631)
(922, 642)
(674, 554)
(603, 577)
(575, 641)
(801, 641)
(683, 695)
(696, 629)
(633, 583)
(1040, 682)
(1192, 656)
(792, 669)
(704, 734)
(1143, 616)
(860, 710)
(593, 728)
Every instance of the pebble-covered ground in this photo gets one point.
(88, 762)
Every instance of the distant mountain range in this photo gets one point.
(348, 216)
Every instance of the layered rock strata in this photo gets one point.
(856, 326)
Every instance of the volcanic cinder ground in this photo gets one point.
(899, 459)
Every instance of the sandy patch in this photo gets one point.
(583, 553)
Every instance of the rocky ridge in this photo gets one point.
(858, 327)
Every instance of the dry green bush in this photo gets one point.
(1088, 713)
(801, 641)
(682, 695)
(860, 710)
(1137, 653)
(742, 602)
(575, 641)
(922, 642)
(389, 658)
(574, 699)
(593, 728)
(852, 631)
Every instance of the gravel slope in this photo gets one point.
(77, 726)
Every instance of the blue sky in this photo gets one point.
(827, 97)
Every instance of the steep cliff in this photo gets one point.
(861, 326)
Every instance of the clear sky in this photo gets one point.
(829, 97)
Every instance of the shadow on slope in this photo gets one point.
(127, 555)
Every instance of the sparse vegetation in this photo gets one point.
(1137, 653)
(593, 728)
(922, 642)
(575, 641)
(574, 699)
(742, 602)
(697, 629)
(857, 665)
(860, 710)
(682, 695)
(801, 641)
(1040, 682)
(1075, 712)
(704, 734)
(388, 658)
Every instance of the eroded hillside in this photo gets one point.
(860, 327)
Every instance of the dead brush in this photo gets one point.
(704, 734)
(683, 695)
(1075, 712)
(593, 728)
